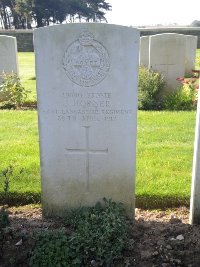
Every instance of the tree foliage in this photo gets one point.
(22, 14)
(195, 23)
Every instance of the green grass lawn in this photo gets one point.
(164, 151)
(164, 156)
(27, 73)
(19, 147)
(197, 66)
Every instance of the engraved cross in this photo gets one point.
(87, 151)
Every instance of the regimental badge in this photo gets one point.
(86, 61)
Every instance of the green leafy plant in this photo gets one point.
(99, 235)
(13, 94)
(51, 250)
(100, 232)
(6, 174)
(4, 222)
(4, 219)
(150, 86)
(185, 97)
(198, 62)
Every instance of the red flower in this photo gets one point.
(180, 79)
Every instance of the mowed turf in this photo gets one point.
(27, 73)
(164, 151)
(19, 146)
(197, 65)
(164, 156)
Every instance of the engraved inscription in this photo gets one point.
(87, 151)
(91, 107)
(86, 107)
(86, 61)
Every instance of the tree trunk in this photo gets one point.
(39, 22)
(5, 18)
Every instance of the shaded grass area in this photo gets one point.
(18, 199)
(161, 202)
(164, 157)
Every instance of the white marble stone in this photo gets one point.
(8, 54)
(144, 51)
(87, 101)
(195, 189)
(167, 56)
(8, 58)
(190, 53)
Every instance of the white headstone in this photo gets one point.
(167, 56)
(87, 103)
(8, 54)
(8, 58)
(195, 190)
(144, 51)
(190, 53)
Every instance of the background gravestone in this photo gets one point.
(144, 51)
(195, 190)
(167, 56)
(190, 52)
(87, 103)
(8, 57)
(8, 54)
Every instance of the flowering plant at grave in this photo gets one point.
(198, 62)
(190, 86)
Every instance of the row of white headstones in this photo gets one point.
(87, 105)
(172, 54)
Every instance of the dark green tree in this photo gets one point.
(21, 13)
(98, 8)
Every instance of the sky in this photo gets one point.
(152, 12)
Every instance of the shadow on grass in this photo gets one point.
(17, 199)
(161, 202)
(32, 78)
(142, 201)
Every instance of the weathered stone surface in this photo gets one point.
(87, 102)
(190, 52)
(24, 39)
(144, 51)
(195, 190)
(8, 58)
(8, 54)
(167, 56)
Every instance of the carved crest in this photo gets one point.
(86, 61)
